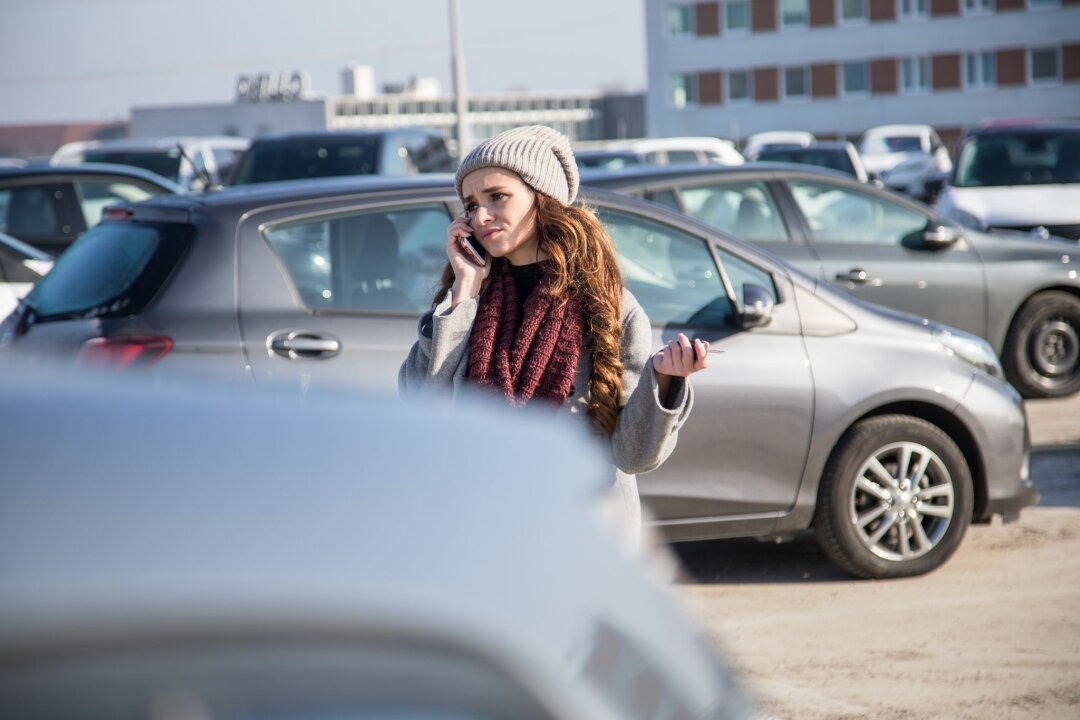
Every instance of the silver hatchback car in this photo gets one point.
(887, 434)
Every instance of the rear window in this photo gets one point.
(832, 159)
(300, 159)
(113, 270)
(1026, 158)
(893, 143)
(165, 163)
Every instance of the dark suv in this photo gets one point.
(335, 153)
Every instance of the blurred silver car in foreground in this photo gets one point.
(810, 413)
(203, 553)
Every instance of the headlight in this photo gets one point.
(971, 348)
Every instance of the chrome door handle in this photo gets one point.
(855, 275)
(297, 344)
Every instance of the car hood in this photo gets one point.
(1019, 204)
(881, 162)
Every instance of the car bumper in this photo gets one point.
(994, 412)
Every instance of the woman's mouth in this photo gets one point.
(488, 233)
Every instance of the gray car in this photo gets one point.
(887, 434)
(1020, 293)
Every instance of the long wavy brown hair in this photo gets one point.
(582, 258)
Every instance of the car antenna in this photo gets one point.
(208, 182)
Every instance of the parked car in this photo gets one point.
(820, 410)
(1021, 294)
(1023, 177)
(20, 267)
(775, 138)
(334, 153)
(666, 151)
(205, 156)
(907, 158)
(839, 156)
(607, 159)
(48, 207)
(206, 571)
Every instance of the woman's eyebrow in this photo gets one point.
(486, 191)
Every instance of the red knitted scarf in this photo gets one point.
(537, 359)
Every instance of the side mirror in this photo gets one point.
(939, 235)
(757, 306)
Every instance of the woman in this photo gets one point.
(546, 319)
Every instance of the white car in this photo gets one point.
(1022, 177)
(207, 551)
(209, 156)
(908, 158)
(776, 138)
(20, 267)
(672, 150)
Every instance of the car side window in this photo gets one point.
(664, 197)
(670, 272)
(394, 158)
(34, 211)
(839, 214)
(676, 157)
(96, 195)
(741, 273)
(745, 210)
(378, 261)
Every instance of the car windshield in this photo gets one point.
(608, 161)
(893, 143)
(834, 159)
(113, 270)
(296, 159)
(1022, 158)
(165, 163)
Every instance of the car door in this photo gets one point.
(872, 246)
(747, 208)
(331, 297)
(740, 455)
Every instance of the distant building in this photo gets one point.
(268, 103)
(38, 142)
(836, 67)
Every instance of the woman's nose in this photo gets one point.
(481, 217)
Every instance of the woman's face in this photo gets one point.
(502, 213)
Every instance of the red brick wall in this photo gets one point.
(766, 85)
(707, 18)
(822, 13)
(823, 80)
(1003, 5)
(883, 77)
(763, 15)
(883, 10)
(1011, 67)
(945, 72)
(939, 8)
(1070, 62)
(710, 88)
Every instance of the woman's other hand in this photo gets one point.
(467, 275)
(679, 358)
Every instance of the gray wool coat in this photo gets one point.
(647, 427)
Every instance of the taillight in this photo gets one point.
(115, 213)
(122, 352)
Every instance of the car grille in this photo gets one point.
(1068, 231)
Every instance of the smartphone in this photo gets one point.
(474, 250)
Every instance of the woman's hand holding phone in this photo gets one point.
(468, 274)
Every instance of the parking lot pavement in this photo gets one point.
(1054, 422)
(995, 632)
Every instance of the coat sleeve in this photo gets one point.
(648, 425)
(438, 360)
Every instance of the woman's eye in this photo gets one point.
(498, 196)
(470, 208)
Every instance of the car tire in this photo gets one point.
(873, 516)
(1042, 349)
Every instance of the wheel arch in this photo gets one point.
(1071, 289)
(957, 431)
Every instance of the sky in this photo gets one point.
(92, 60)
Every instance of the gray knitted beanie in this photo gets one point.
(541, 156)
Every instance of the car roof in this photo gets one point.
(651, 174)
(88, 170)
(160, 143)
(1034, 127)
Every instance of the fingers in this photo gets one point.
(681, 357)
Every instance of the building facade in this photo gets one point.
(837, 67)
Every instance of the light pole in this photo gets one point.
(457, 60)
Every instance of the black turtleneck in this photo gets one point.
(526, 278)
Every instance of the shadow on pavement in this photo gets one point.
(1056, 472)
(746, 560)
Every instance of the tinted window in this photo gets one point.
(838, 214)
(384, 261)
(96, 195)
(302, 158)
(1019, 159)
(682, 156)
(165, 163)
(664, 197)
(834, 159)
(745, 210)
(671, 273)
(32, 211)
(741, 273)
(225, 159)
(111, 271)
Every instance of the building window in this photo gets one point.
(683, 89)
(1040, 4)
(681, 19)
(1045, 64)
(796, 83)
(914, 75)
(913, 9)
(793, 13)
(855, 78)
(740, 86)
(978, 7)
(853, 11)
(736, 15)
(980, 70)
